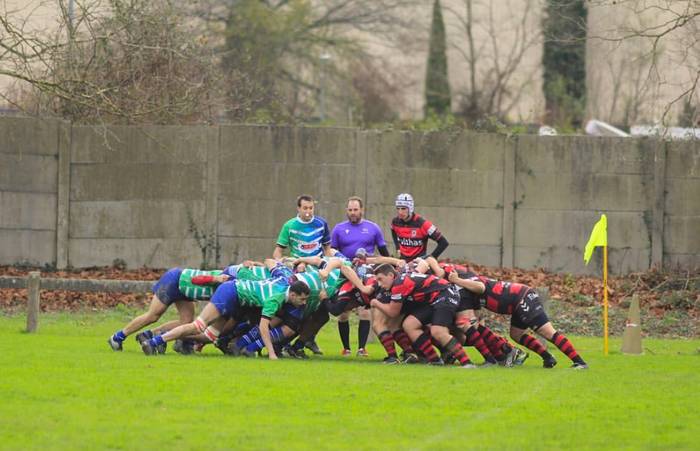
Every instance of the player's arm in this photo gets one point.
(328, 250)
(396, 241)
(392, 309)
(435, 267)
(432, 231)
(331, 264)
(278, 253)
(326, 241)
(282, 242)
(391, 260)
(471, 285)
(354, 279)
(316, 261)
(265, 335)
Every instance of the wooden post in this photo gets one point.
(33, 283)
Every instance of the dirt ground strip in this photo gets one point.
(670, 300)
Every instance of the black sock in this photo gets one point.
(362, 333)
(344, 330)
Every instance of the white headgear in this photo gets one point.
(405, 200)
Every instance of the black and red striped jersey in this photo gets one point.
(417, 287)
(412, 235)
(347, 291)
(501, 297)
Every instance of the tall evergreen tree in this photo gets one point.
(564, 61)
(437, 86)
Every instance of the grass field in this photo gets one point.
(63, 388)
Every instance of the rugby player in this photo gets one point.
(523, 304)
(411, 231)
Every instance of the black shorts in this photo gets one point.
(468, 300)
(444, 308)
(422, 311)
(529, 313)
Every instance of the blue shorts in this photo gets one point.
(225, 298)
(167, 289)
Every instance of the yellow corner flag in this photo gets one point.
(599, 237)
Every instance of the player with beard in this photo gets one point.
(349, 237)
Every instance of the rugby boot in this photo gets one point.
(312, 346)
(521, 357)
(148, 348)
(549, 362)
(143, 336)
(114, 344)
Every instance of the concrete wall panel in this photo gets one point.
(28, 136)
(682, 196)
(150, 252)
(115, 182)
(135, 219)
(28, 211)
(27, 247)
(154, 144)
(682, 234)
(603, 192)
(28, 173)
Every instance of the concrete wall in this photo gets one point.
(165, 196)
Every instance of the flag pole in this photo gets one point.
(605, 299)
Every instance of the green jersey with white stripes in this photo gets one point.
(270, 295)
(253, 273)
(197, 292)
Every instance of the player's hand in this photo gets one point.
(247, 263)
(373, 303)
(453, 276)
(401, 264)
(323, 273)
(221, 278)
(272, 356)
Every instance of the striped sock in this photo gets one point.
(533, 344)
(404, 342)
(565, 346)
(388, 342)
(424, 345)
(474, 339)
(453, 347)
(497, 344)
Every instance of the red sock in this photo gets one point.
(564, 345)
(494, 341)
(425, 347)
(532, 344)
(402, 339)
(388, 342)
(453, 347)
(474, 339)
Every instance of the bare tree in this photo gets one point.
(669, 32)
(495, 52)
(119, 61)
(295, 48)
